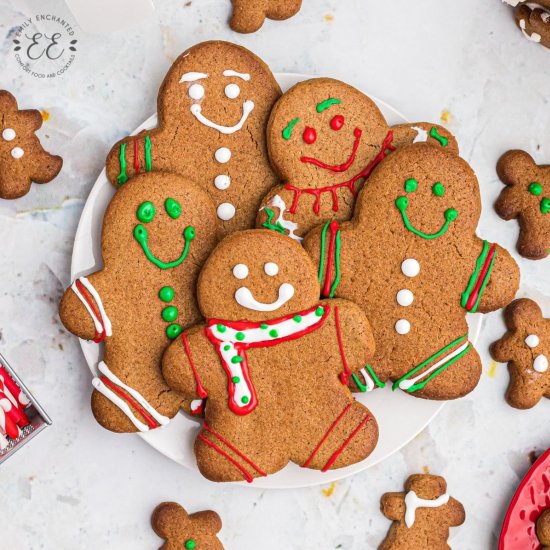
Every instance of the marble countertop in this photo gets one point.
(78, 486)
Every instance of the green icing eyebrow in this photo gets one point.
(287, 132)
(327, 103)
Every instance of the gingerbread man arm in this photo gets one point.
(456, 514)
(82, 310)
(392, 505)
(433, 134)
(207, 521)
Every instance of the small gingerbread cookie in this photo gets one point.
(183, 531)
(23, 160)
(526, 348)
(533, 19)
(422, 515)
(157, 231)
(213, 108)
(249, 15)
(324, 140)
(526, 197)
(543, 529)
(411, 259)
(271, 364)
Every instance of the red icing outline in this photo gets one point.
(531, 498)
(475, 291)
(333, 230)
(350, 184)
(136, 156)
(99, 336)
(151, 422)
(337, 167)
(201, 392)
(241, 348)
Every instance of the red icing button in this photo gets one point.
(337, 122)
(310, 135)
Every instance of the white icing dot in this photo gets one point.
(540, 364)
(532, 340)
(8, 134)
(402, 326)
(232, 91)
(410, 267)
(240, 271)
(196, 91)
(222, 182)
(225, 211)
(405, 297)
(271, 269)
(17, 152)
(222, 155)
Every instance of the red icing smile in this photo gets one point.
(337, 167)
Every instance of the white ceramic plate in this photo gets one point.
(400, 416)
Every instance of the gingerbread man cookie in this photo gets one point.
(23, 160)
(324, 139)
(158, 230)
(213, 108)
(526, 197)
(183, 531)
(249, 15)
(272, 363)
(422, 515)
(411, 259)
(543, 529)
(526, 349)
(533, 19)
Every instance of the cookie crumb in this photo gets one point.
(329, 491)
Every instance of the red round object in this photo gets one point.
(310, 135)
(531, 498)
(336, 122)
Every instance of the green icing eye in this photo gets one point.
(545, 205)
(411, 185)
(535, 188)
(173, 207)
(146, 212)
(438, 189)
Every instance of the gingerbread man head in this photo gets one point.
(183, 531)
(526, 349)
(325, 138)
(249, 15)
(543, 528)
(213, 108)
(526, 197)
(22, 157)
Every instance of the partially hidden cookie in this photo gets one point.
(422, 515)
(526, 349)
(23, 160)
(543, 529)
(410, 258)
(157, 231)
(183, 531)
(249, 15)
(213, 108)
(324, 139)
(527, 198)
(533, 19)
(272, 363)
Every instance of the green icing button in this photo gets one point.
(545, 205)
(170, 314)
(190, 544)
(173, 331)
(239, 336)
(166, 293)
(535, 188)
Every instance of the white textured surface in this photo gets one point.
(77, 486)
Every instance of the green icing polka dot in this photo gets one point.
(239, 336)
(273, 333)
(173, 331)
(236, 379)
(190, 544)
(227, 347)
(221, 328)
(411, 185)
(170, 314)
(297, 318)
(263, 326)
(245, 399)
(236, 359)
(535, 188)
(319, 311)
(545, 205)
(166, 293)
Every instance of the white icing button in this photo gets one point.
(532, 340)
(405, 297)
(222, 182)
(271, 269)
(225, 211)
(222, 155)
(196, 91)
(8, 134)
(232, 91)
(540, 364)
(240, 271)
(17, 152)
(410, 267)
(402, 326)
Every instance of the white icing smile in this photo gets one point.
(244, 297)
(248, 105)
